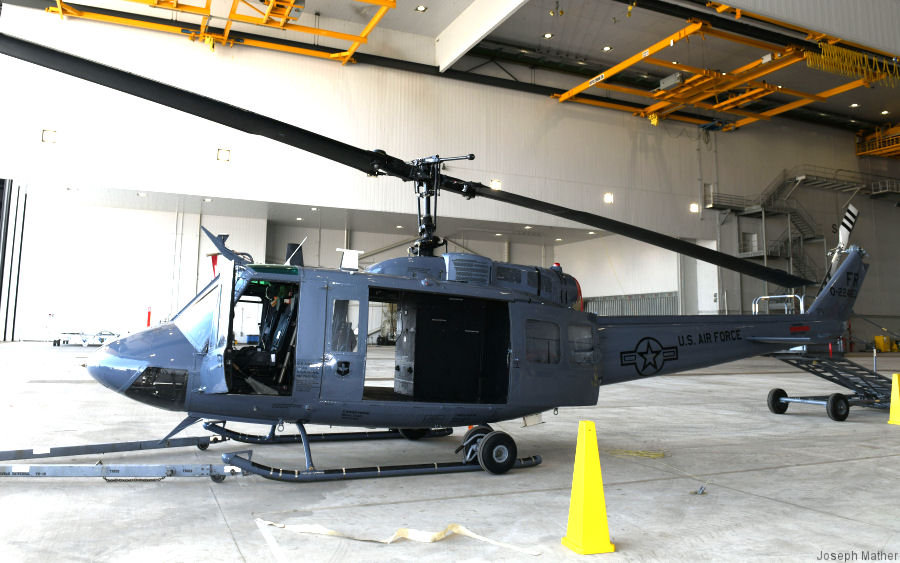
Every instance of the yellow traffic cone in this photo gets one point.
(895, 400)
(587, 532)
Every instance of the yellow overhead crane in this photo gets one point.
(704, 83)
(278, 14)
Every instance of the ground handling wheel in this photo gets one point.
(837, 407)
(469, 444)
(497, 452)
(774, 401)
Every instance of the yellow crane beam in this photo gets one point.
(802, 102)
(636, 58)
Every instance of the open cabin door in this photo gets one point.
(213, 363)
(556, 356)
(344, 357)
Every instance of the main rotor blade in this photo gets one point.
(201, 106)
(779, 277)
(370, 162)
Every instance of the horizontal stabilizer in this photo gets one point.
(792, 340)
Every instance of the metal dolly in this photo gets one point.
(870, 388)
(116, 472)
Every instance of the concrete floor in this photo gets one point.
(777, 487)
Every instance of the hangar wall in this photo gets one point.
(92, 267)
(565, 152)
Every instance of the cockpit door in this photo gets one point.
(344, 358)
(214, 362)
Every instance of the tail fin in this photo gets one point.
(844, 231)
(839, 293)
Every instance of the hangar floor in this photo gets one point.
(779, 487)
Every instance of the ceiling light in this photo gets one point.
(674, 62)
(884, 112)
(523, 50)
(608, 197)
(854, 105)
(48, 136)
(724, 73)
(207, 199)
(223, 154)
(496, 184)
(527, 227)
(142, 194)
(421, 8)
(852, 121)
(548, 35)
(592, 232)
(558, 240)
(581, 62)
(399, 226)
(779, 86)
(607, 48)
(694, 208)
(498, 234)
(314, 208)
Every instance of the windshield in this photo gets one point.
(196, 320)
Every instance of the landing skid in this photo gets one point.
(306, 475)
(497, 454)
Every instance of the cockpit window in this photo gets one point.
(196, 320)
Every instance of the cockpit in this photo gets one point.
(259, 354)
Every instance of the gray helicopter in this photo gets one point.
(514, 339)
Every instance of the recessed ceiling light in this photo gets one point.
(608, 197)
(854, 105)
(299, 218)
(207, 199)
(142, 194)
(223, 154)
(314, 208)
(694, 208)
(852, 121)
(399, 226)
(421, 8)
(724, 73)
(496, 184)
(592, 232)
(581, 62)
(674, 62)
(527, 227)
(498, 234)
(48, 136)
(558, 240)
(884, 112)
(779, 86)
(548, 35)
(607, 48)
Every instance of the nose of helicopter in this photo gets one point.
(160, 350)
(117, 364)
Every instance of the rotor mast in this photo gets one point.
(427, 178)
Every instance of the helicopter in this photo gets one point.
(516, 339)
